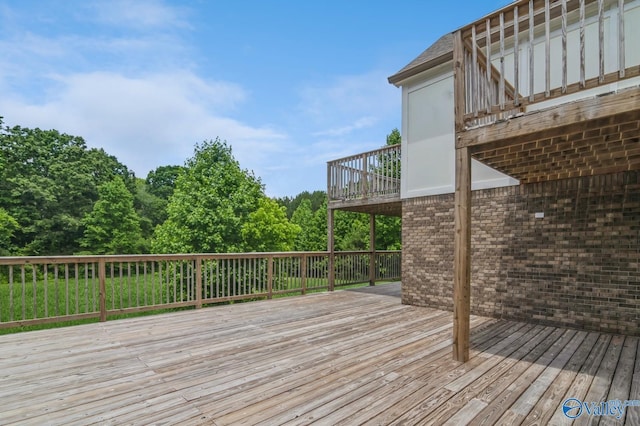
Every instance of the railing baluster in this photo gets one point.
(198, 283)
(564, 46)
(120, 285)
(77, 276)
(153, 282)
(501, 87)
(621, 58)
(86, 287)
(11, 293)
(582, 46)
(547, 49)
(600, 40)
(516, 56)
(66, 287)
(138, 284)
(55, 289)
(113, 284)
(35, 290)
(102, 282)
(489, 101)
(476, 70)
(46, 292)
(93, 287)
(144, 282)
(160, 281)
(532, 90)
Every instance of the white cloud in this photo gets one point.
(148, 121)
(138, 14)
(360, 123)
(350, 98)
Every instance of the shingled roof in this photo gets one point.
(438, 53)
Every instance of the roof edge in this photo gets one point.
(397, 78)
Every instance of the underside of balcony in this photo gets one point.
(386, 206)
(594, 136)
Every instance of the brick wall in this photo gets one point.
(578, 266)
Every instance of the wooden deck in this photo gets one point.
(349, 357)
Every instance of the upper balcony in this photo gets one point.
(368, 182)
(559, 96)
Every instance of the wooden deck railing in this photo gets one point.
(540, 50)
(37, 290)
(367, 175)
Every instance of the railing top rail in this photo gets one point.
(538, 7)
(366, 153)
(26, 260)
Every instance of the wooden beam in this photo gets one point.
(556, 117)
(462, 257)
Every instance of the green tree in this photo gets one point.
(48, 182)
(212, 199)
(351, 231)
(303, 217)
(394, 137)
(151, 209)
(318, 229)
(161, 182)
(388, 233)
(113, 226)
(8, 225)
(267, 229)
(316, 198)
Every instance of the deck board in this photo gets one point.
(342, 358)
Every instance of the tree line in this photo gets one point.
(59, 197)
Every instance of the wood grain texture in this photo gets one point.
(462, 257)
(347, 357)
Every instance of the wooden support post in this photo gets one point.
(372, 249)
(462, 257)
(102, 281)
(330, 248)
(198, 282)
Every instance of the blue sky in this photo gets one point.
(289, 84)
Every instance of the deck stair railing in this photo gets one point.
(38, 290)
(543, 49)
(367, 175)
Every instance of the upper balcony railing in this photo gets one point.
(536, 50)
(370, 175)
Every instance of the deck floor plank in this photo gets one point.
(342, 358)
(468, 386)
(633, 414)
(621, 385)
(548, 403)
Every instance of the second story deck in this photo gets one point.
(368, 182)
(560, 95)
